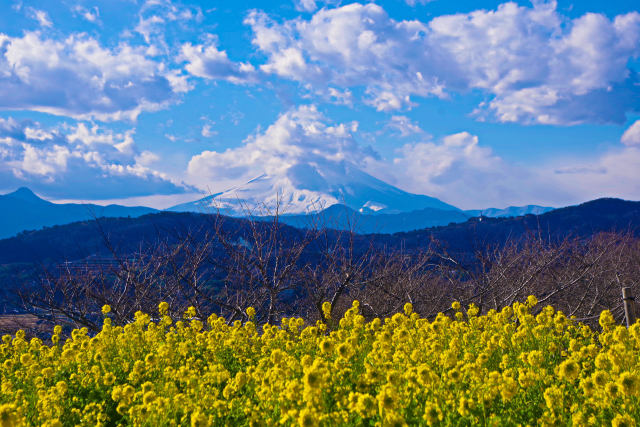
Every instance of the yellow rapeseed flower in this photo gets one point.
(492, 369)
(569, 370)
(163, 308)
(621, 420)
(629, 383)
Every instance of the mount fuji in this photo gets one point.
(309, 187)
(336, 193)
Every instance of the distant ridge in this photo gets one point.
(23, 210)
(583, 220)
(81, 239)
(510, 211)
(341, 217)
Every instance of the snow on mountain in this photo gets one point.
(311, 187)
(303, 163)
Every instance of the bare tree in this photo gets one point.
(231, 264)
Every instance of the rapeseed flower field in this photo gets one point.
(507, 367)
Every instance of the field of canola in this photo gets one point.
(503, 368)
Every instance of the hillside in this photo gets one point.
(341, 217)
(23, 210)
(85, 238)
(586, 219)
(23, 257)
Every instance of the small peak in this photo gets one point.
(23, 193)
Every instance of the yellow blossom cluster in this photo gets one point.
(507, 367)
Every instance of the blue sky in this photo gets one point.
(478, 103)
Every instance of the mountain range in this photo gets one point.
(335, 193)
(370, 206)
(81, 239)
(23, 210)
(340, 196)
(341, 217)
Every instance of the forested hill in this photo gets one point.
(127, 235)
(586, 219)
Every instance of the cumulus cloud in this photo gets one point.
(549, 72)
(207, 61)
(536, 65)
(304, 157)
(355, 45)
(303, 153)
(80, 78)
(78, 161)
(459, 169)
(455, 168)
(299, 151)
(632, 135)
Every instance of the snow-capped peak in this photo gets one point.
(311, 187)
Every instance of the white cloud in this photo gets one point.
(549, 73)
(41, 16)
(403, 126)
(94, 136)
(306, 5)
(207, 131)
(612, 174)
(37, 134)
(78, 161)
(632, 135)
(312, 5)
(304, 156)
(157, 18)
(147, 158)
(299, 139)
(303, 150)
(336, 96)
(149, 26)
(44, 163)
(355, 45)
(91, 15)
(458, 169)
(536, 65)
(208, 62)
(78, 77)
